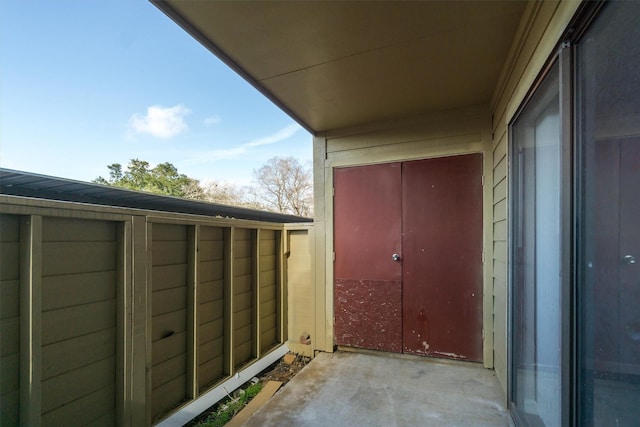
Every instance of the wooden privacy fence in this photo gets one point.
(113, 316)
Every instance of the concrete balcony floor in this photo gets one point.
(355, 389)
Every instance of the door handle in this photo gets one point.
(629, 259)
(395, 257)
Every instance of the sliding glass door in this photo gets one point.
(536, 291)
(575, 230)
(608, 139)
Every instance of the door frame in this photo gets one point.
(398, 153)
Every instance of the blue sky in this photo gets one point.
(87, 83)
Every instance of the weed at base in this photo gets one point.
(229, 407)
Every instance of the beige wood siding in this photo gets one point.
(79, 292)
(109, 318)
(300, 288)
(243, 296)
(540, 28)
(211, 350)
(269, 291)
(9, 320)
(168, 317)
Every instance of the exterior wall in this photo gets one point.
(79, 327)
(115, 316)
(9, 319)
(211, 307)
(301, 291)
(446, 133)
(540, 29)
(169, 330)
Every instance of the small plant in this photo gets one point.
(230, 407)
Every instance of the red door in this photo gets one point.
(408, 247)
(368, 282)
(442, 266)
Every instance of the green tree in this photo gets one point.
(161, 179)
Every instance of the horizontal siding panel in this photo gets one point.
(242, 354)
(60, 258)
(77, 230)
(267, 322)
(267, 279)
(77, 289)
(500, 271)
(268, 309)
(242, 284)
(211, 311)
(211, 251)
(500, 210)
(211, 234)
(74, 353)
(267, 293)
(268, 263)
(268, 245)
(243, 301)
(9, 228)
(10, 374)
(211, 350)
(169, 252)
(168, 370)
(108, 420)
(9, 260)
(211, 270)
(10, 409)
(268, 340)
(242, 249)
(500, 191)
(9, 298)
(168, 396)
(71, 322)
(169, 232)
(242, 234)
(87, 410)
(169, 300)
(9, 336)
(243, 334)
(210, 331)
(500, 171)
(242, 266)
(63, 389)
(242, 318)
(500, 150)
(209, 291)
(500, 251)
(167, 348)
(211, 372)
(169, 276)
(500, 231)
(164, 324)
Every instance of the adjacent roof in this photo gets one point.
(337, 64)
(25, 184)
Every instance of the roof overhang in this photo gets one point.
(332, 65)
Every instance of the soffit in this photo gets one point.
(338, 64)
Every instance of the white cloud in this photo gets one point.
(231, 153)
(212, 120)
(159, 121)
(281, 135)
(212, 156)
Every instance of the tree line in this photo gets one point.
(282, 184)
